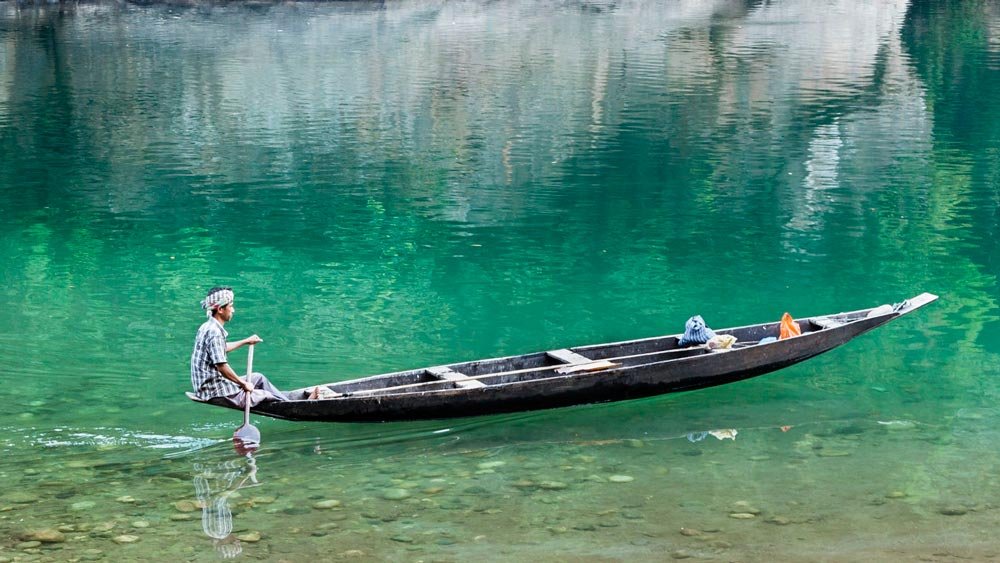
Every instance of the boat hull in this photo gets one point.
(550, 389)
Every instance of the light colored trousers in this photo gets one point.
(263, 391)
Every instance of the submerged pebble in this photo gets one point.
(91, 554)
(553, 485)
(326, 504)
(125, 538)
(953, 510)
(249, 537)
(491, 464)
(395, 494)
(744, 506)
(45, 535)
(621, 478)
(20, 498)
(185, 506)
(778, 520)
(742, 515)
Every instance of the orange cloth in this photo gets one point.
(789, 327)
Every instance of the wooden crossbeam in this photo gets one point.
(459, 379)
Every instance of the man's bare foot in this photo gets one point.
(314, 394)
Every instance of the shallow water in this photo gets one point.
(395, 185)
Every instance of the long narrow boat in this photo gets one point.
(573, 376)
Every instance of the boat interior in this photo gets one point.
(562, 362)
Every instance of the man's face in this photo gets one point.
(226, 313)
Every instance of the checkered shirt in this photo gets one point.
(209, 351)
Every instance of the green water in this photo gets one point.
(394, 185)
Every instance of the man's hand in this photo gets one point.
(253, 339)
(248, 387)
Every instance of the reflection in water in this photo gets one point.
(213, 485)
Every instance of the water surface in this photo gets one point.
(395, 185)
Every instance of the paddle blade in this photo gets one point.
(246, 439)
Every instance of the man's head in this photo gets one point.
(219, 303)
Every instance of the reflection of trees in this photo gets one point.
(357, 136)
(955, 52)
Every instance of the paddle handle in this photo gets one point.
(246, 409)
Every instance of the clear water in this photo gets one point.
(393, 185)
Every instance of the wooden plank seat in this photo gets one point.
(567, 356)
(459, 379)
(577, 362)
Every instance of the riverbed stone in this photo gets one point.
(953, 510)
(125, 538)
(744, 506)
(491, 464)
(185, 506)
(553, 485)
(91, 554)
(82, 505)
(31, 544)
(395, 494)
(779, 520)
(621, 478)
(326, 504)
(45, 535)
(18, 497)
(742, 515)
(249, 537)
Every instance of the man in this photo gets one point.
(211, 374)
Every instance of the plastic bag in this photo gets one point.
(789, 327)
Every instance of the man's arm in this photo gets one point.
(254, 339)
(229, 374)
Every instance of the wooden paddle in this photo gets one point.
(247, 435)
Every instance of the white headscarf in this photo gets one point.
(216, 299)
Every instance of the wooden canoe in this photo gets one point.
(586, 374)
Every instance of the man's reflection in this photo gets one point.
(213, 485)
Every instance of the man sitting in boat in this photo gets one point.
(211, 374)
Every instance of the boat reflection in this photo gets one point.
(214, 484)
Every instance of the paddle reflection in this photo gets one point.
(214, 484)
